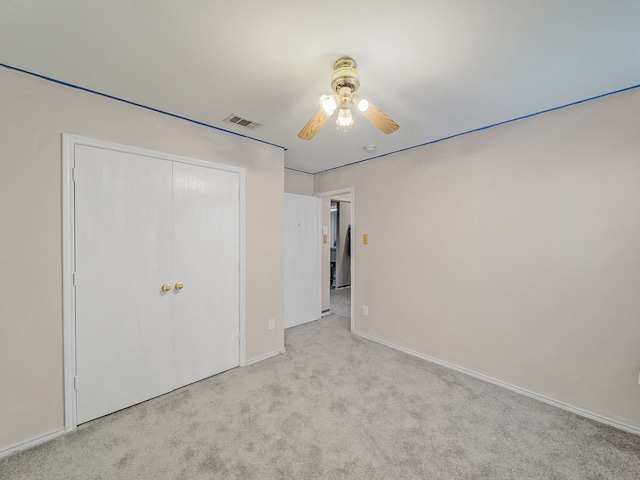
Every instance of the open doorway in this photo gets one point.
(340, 255)
(337, 252)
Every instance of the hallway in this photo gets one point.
(341, 301)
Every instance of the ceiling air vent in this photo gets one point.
(243, 122)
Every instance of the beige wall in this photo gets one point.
(298, 182)
(33, 115)
(513, 252)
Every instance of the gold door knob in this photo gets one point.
(166, 287)
(179, 286)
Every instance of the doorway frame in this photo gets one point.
(345, 191)
(69, 141)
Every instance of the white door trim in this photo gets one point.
(68, 257)
(351, 191)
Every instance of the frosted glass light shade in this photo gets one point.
(328, 104)
(344, 118)
(362, 104)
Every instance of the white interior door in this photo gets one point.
(302, 292)
(206, 207)
(123, 226)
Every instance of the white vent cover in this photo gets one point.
(243, 122)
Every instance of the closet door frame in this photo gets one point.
(68, 254)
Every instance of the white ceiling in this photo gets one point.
(437, 67)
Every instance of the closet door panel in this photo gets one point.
(124, 232)
(206, 257)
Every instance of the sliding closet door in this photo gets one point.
(124, 243)
(206, 208)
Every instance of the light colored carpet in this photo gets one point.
(340, 301)
(336, 406)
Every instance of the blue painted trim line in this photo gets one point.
(483, 128)
(137, 105)
(284, 148)
(296, 170)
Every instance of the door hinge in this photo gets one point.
(74, 278)
(239, 337)
(75, 383)
(73, 174)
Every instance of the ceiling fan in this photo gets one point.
(345, 82)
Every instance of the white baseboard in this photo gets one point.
(31, 443)
(556, 403)
(263, 357)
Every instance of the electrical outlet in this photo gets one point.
(272, 324)
(365, 310)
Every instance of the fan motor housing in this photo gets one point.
(345, 75)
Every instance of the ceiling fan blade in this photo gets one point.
(380, 120)
(314, 125)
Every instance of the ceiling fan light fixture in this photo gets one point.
(345, 83)
(345, 119)
(328, 104)
(362, 104)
